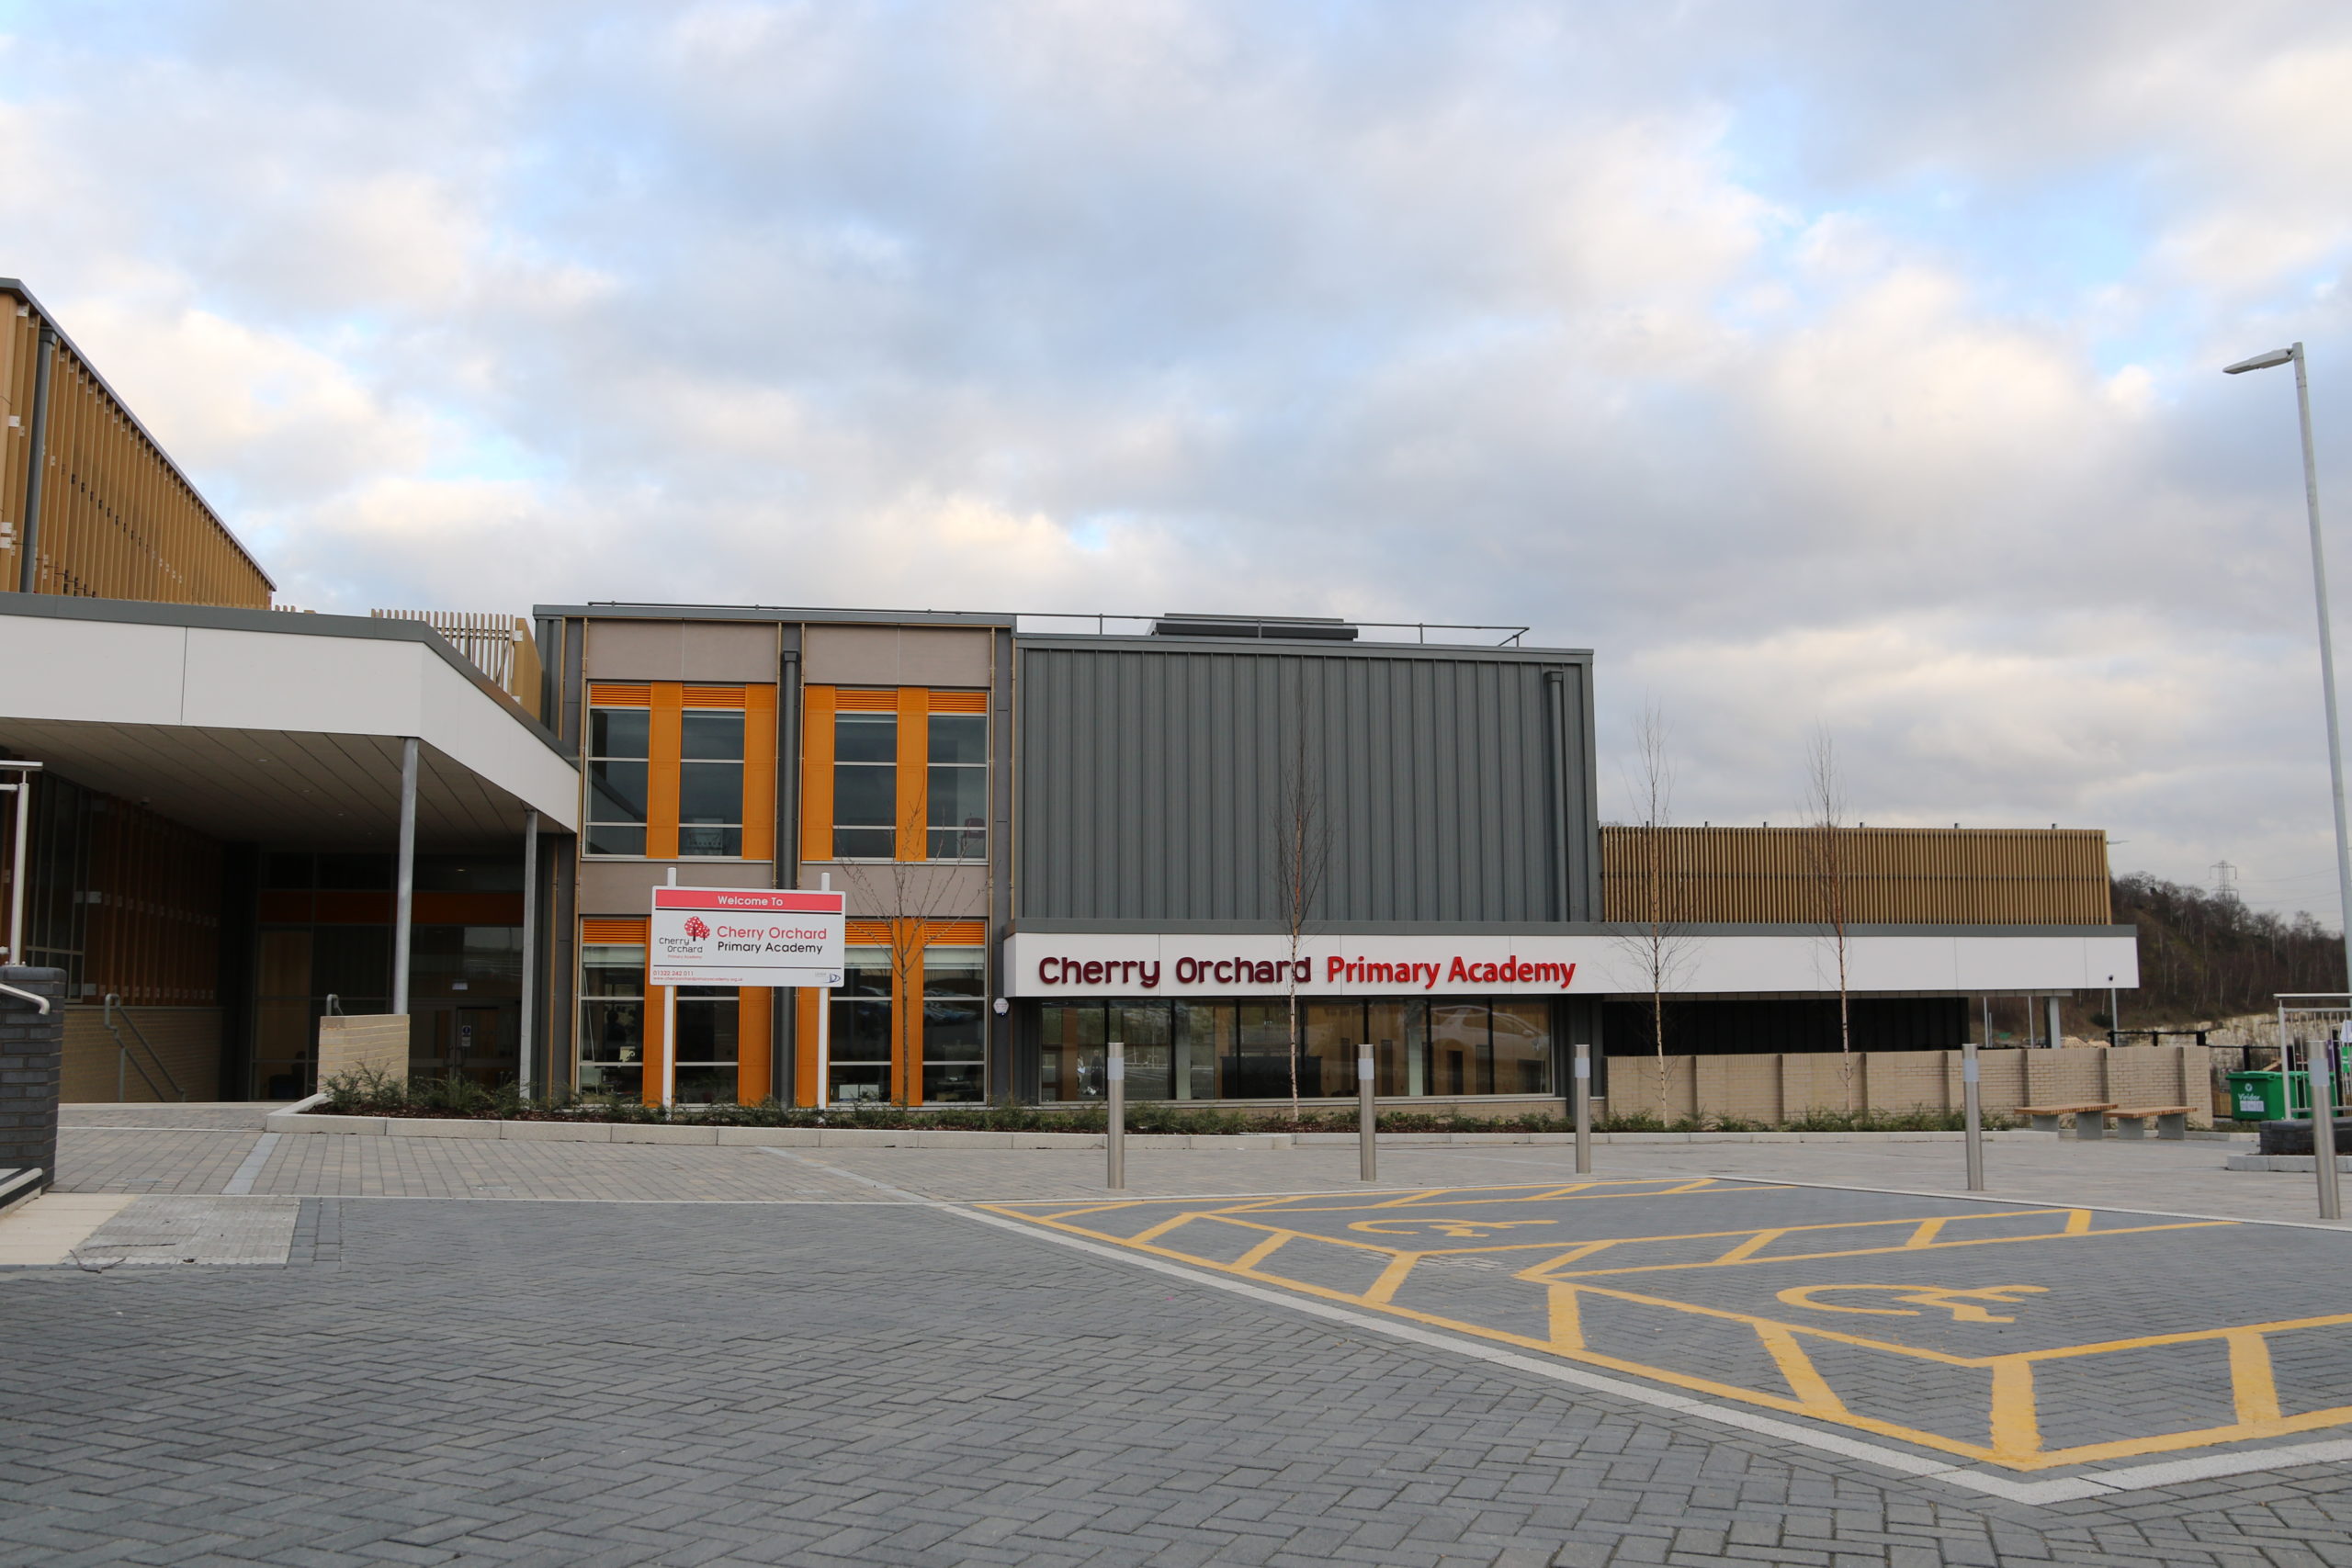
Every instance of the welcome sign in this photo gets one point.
(745, 936)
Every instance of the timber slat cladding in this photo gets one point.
(117, 521)
(1987, 877)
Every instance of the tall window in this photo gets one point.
(612, 1020)
(710, 784)
(954, 1012)
(859, 1048)
(866, 785)
(706, 1047)
(958, 786)
(617, 763)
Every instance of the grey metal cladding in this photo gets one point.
(1150, 783)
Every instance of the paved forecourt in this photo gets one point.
(2024, 1337)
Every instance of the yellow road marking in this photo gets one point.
(2013, 1435)
(1960, 1304)
(2253, 1388)
(1255, 1256)
(1446, 1227)
(1804, 1380)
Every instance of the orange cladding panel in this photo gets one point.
(752, 1063)
(817, 774)
(804, 1065)
(759, 772)
(665, 737)
(914, 770)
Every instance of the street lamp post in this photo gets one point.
(2323, 1110)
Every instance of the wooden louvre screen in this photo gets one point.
(605, 694)
(959, 702)
(867, 933)
(617, 932)
(848, 700)
(1990, 876)
(711, 697)
(957, 933)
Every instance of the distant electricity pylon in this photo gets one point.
(2225, 881)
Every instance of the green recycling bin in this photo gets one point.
(2257, 1097)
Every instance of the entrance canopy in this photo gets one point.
(273, 727)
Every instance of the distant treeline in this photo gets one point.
(2205, 957)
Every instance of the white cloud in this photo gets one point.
(1858, 372)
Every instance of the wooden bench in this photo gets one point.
(2090, 1120)
(2131, 1121)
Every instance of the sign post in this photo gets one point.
(740, 936)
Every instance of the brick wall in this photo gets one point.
(31, 1045)
(364, 1042)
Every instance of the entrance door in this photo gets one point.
(477, 1043)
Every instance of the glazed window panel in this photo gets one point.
(709, 1021)
(956, 787)
(612, 1020)
(1522, 1049)
(866, 785)
(710, 785)
(617, 761)
(859, 1049)
(954, 1024)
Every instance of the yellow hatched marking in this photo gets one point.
(2013, 1431)
(2070, 1231)
(1750, 1248)
(1256, 1254)
(1927, 1232)
(2015, 1427)
(1804, 1380)
(1153, 1232)
(1567, 1321)
(2252, 1386)
(1391, 1278)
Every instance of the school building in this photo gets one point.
(1178, 832)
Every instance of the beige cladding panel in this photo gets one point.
(711, 652)
(625, 886)
(880, 890)
(897, 655)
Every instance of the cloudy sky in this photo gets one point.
(1820, 364)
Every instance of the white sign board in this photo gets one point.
(745, 936)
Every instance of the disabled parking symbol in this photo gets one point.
(1965, 1305)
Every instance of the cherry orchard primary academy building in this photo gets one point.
(1051, 832)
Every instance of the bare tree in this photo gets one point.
(1302, 855)
(907, 895)
(1827, 870)
(1656, 878)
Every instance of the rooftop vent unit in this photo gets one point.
(1322, 628)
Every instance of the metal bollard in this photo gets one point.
(1583, 1098)
(1114, 1144)
(1367, 1119)
(1971, 1098)
(2317, 1063)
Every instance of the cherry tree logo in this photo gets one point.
(696, 929)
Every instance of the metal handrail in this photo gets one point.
(113, 1006)
(1102, 619)
(33, 997)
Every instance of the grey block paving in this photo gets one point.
(536, 1382)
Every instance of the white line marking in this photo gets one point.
(2212, 1467)
(241, 1184)
(899, 1192)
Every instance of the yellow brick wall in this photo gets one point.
(1775, 1088)
(187, 1041)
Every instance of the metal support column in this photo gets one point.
(2319, 1062)
(1583, 1084)
(524, 1077)
(1973, 1103)
(2050, 1010)
(1114, 1140)
(405, 899)
(19, 866)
